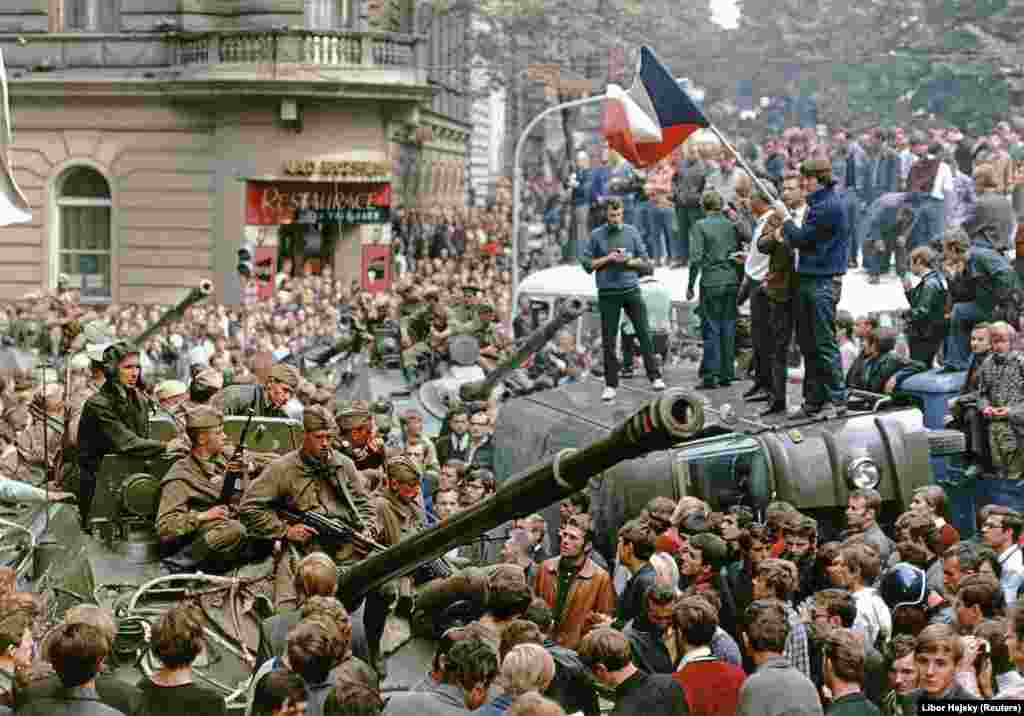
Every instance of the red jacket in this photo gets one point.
(712, 686)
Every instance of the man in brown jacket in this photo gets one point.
(779, 284)
(573, 586)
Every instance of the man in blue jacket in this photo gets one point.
(821, 246)
(615, 251)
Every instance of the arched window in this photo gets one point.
(84, 253)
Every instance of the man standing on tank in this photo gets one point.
(618, 289)
(822, 247)
(114, 420)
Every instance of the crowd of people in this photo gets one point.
(697, 610)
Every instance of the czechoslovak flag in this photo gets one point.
(654, 117)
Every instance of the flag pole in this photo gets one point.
(517, 187)
(742, 162)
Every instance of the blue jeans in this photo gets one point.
(958, 338)
(930, 221)
(659, 231)
(718, 329)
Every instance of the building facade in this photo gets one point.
(153, 137)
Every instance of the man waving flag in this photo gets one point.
(654, 117)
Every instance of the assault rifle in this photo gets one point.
(230, 485)
(329, 529)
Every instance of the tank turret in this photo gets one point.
(673, 418)
(481, 390)
(197, 294)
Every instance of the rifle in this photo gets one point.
(230, 485)
(330, 530)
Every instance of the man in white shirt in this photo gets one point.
(755, 269)
(1001, 531)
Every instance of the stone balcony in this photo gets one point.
(303, 61)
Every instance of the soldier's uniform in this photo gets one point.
(77, 400)
(193, 486)
(38, 452)
(415, 326)
(464, 319)
(114, 420)
(177, 413)
(306, 484)
(239, 398)
(367, 457)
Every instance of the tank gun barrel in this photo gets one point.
(672, 418)
(199, 293)
(481, 389)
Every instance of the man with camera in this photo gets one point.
(616, 252)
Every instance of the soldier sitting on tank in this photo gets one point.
(114, 420)
(399, 516)
(171, 397)
(40, 443)
(311, 479)
(195, 525)
(204, 387)
(269, 400)
(357, 438)
(417, 326)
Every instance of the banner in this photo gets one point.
(269, 203)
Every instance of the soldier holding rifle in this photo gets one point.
(196, 520)
(313, 479)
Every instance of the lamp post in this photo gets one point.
(517, 186)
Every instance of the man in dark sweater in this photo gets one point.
(607, 653)
(777, 688)
(636, 546)
(844, 675)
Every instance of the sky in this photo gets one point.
(725, 12)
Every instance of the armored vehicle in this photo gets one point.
(119, 569)
(814, 464)
(461, 378)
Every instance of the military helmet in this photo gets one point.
(904, 585)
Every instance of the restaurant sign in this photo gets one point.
(269, 203)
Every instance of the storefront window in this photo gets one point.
(84, 205)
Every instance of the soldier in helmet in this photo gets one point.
(269, 400)
(192, 519)
(114, 420)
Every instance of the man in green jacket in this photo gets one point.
(715, 258)
(114, 420)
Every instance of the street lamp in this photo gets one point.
(517, 186)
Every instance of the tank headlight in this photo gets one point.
(863, 473)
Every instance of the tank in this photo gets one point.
(115, 570)
(481, 390)
(465, 380)
(197, 294)
(740, 459)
